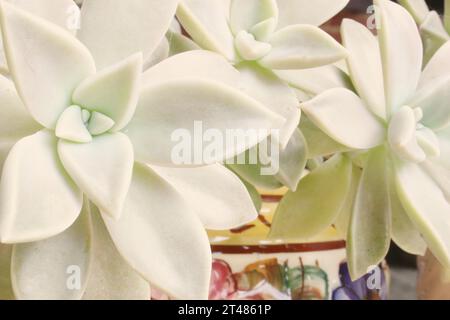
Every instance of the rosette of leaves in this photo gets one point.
(265, 40)
(91, 203)
(394, 184)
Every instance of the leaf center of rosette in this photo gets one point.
(409, 138)
(79, 125)
(250, 49)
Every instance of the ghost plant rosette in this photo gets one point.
(399, 121)
(434, 31)
(88, 186)
(261, 37)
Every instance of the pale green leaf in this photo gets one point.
(364, 64)
(161, 238)
(111, 277)
(292, 161)
(417, 8)
(206, 22)
(114, 91)
(46, 78)
(342, 115)
(342, 223)
(314, 81)
(426, 206)
(165, 124)
(319, 144)
(114, 29)
(206, 191)
(303, 214)
(369, 236)
(56, 268)
(37, 198)
(102, 169)
(401, 52)
(301, 47)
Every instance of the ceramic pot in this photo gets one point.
(248, 266)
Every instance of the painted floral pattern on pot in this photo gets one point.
(249, 266)
(268, 280)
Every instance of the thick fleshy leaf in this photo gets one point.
(314, 81)
(6, 290)
(302, 47)
(165, 124)
(401, 52)
(293, 161)
(440, 175)
(99, 123)
(56, 268)
(254, 194)
(342, 115)
(303, 214)
(161, 238)
(64, 13)
(111, 277)
(264, 86)
(417, 8)
(70, 126)
(402, 135)
(113, 91)
(433, 29)
(37, 198)
(404, 232)
(160, 53)
(434, 99)
(433, 34)
(102, 169)
(364, 64)
(3, 63)
(198, 63)
(46, 78)
(437, 67)
(318, 143)
(342, 222)
(308, 12)
(427, 207)
(207, 23)
(250, 49)
(369, 236)
(245, 14)
(252, 170)
(207, 194)
(444, 145)
(15, 121)
(258, 83)
(116, 29)
(179, 43)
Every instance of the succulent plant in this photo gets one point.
(397, 124)
(261, 38)
(88, 183)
